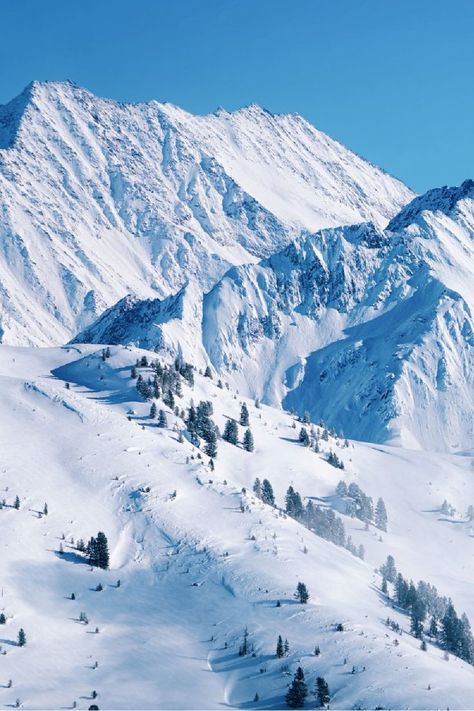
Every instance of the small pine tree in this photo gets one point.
(381, 518)
(322, 691)
(389, 570)
(244, 416)
(153, 410)
(257, 487)
(208, 372)
(133, 373)
(211, 445)
(268, 496)
(302, 593)
(231, 432)
(17, 502)
(304, 437)
(102, 550)
(45, 509)
(162, 419)
(298, 691)
(21, 637)
(280, 651)
(3, 619)
(248, 441)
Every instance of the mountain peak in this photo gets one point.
(443, 200)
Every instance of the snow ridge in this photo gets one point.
(100, 199)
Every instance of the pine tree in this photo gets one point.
(102, 551)
(389, 570)
(417, 616)
(257, 487)
(208, 372)
(153, 410)
(433, 628)
(244, 416)
(168, 399)
(21, 637)
(162, 419)
(302, 593)
(267, 493)
(231, 432)
(133, 373)
(45, 509)
(298, 691)
(248, 441)
(211, 445)
(341, 488)
(3, 619)
(322, 691)
(381, 515)
(16, 505)
(304, 437)
(279, 648)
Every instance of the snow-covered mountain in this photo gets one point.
(202, 560)
(99, 199)
(369, 330)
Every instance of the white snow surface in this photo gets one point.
(194, 570)
(99, 199)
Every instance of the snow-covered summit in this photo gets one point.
(100, 199)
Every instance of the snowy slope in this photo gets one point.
(100, 199)
(194, 570)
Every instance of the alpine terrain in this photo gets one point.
(236, 397)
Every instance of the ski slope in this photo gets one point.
(194, 570)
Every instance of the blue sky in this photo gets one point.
(391, 79)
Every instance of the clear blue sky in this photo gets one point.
(391, 79)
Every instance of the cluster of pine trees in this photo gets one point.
(361, 506)
(231, 430)
(201, 426)
(430, 613)
(264, 491)
(298, 691)
(320, 520)
(166, 382)
(97, 551)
